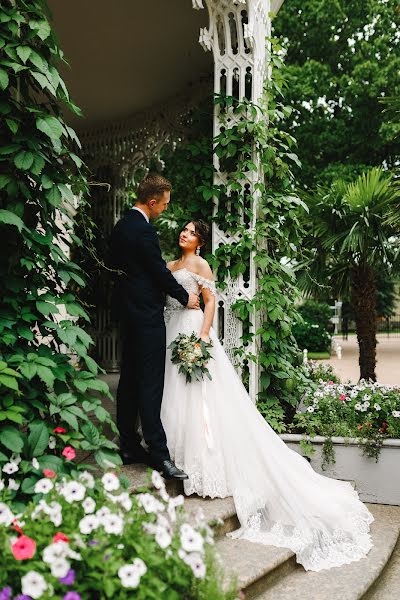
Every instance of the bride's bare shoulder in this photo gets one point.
(203, 268)
(171, 265)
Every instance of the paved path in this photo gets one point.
(388, 360)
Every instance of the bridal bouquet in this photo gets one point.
(192, 356)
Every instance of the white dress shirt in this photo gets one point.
(141, 211)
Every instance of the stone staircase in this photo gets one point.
(269, 573)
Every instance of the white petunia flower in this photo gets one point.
(396, 414)
(150, 504)
(104, 510)
(377, 406)
(89, 524)
(33, 584)
(13, 485)
(10, 468)
(6, 516)
(35, 464)
(191, 540)
(73, 491)
(177, 501)
(164, 494)
(110, 482)
(87, 479)
(56, 551)
(123, 499)
(60, 567)
(129, 576)
(113, 523)
(89, 505)
(157, 480)
(310, 409)
(366, 404)
(140, 565)
(197, 565)
(357, 406)
(15, 458)
(43, 486)
(366, 398)
(52, 442)
(163, 538)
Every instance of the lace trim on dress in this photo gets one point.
(205, 283)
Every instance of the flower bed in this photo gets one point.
(90, 539)
(367, 411)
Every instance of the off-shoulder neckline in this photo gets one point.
(193, 273)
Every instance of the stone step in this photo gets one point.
(350, 582)
(387, 587)
(254, 565)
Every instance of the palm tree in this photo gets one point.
(348, 239)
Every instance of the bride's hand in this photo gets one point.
(204, 337)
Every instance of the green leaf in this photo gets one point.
(28, 370)
(38, 165)
(46, 375)
(54, 196)
(9, 218)
(42, 28)
(28, 485)
(91, 433)
(66, 192)
(24, 53)
(11, 438)
(91, 364)
(38, 438)
(25, 332)
(4, 180)
(103, 457)
(3, 79)
(46, 308)
(9, 382)
(23, 160)
(50, 126)
(69, 418)
(49, 461)
(12, 125)
(101, 413)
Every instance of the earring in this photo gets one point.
(198, 251)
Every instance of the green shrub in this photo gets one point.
(316, 312)
(311, 336)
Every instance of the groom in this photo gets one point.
(138, 302)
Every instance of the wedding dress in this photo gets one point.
(217, 436)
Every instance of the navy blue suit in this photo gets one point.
(138, 304)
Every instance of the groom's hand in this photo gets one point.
(194, 301)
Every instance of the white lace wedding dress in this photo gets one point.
(216, 434)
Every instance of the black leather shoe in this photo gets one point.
(169, 470)
(140, 457)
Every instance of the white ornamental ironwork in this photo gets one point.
(237, 35)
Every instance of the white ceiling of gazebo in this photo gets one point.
(128, 55)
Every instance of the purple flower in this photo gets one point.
(68, 579)
(72, 596)
(93, 542)
(5, 593)
(22, 597)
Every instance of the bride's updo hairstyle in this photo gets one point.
(202, 231)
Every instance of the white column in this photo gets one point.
(237, 37)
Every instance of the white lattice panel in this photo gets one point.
(237, 37)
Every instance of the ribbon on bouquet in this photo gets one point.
(206, 416)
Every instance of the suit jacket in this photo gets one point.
(139, 294)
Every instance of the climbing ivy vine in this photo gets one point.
(46, 403)
(251, 141)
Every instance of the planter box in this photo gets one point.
(375, 482)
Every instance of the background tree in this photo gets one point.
(348, 240)
(342, 58)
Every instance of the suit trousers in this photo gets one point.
(140, 389)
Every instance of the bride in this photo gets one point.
(217, 436)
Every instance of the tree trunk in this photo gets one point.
(363, 299)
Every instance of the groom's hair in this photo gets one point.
(152, 186)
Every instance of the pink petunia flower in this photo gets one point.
(69, 453)
(60, 536)
(49, 473)
(59, 430)
(23, 548)
(342, 397)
